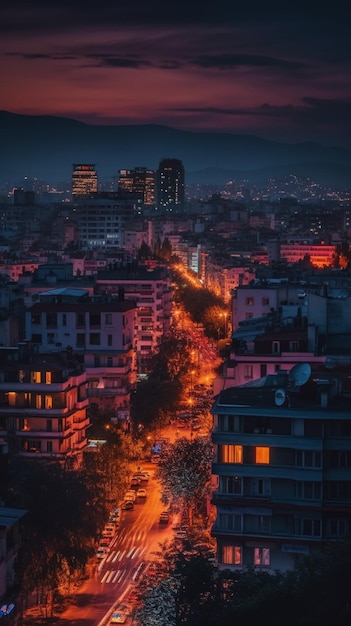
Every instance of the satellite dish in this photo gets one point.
(300, 373)
(279, 397)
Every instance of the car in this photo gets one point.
(118, 618)
(128, 505)
(143, 476)
(135, 482)
(104, 542)
(130, 495)
(164, 517)
(141, 493)
(101, 553)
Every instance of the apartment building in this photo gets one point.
(151, 289)
(282, 467)
(101, 221)
(43, 406)
(99, 330)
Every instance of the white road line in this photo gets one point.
(116, 575)
(123, 573)
(135, 553)
(109, 578)
(116, 556)
(130, 552)
(102, 562)
(121, 555)
(106, 574)
(110, 556)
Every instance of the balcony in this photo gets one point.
(98, 392)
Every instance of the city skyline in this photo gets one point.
(259, 70)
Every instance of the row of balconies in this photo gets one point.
(323, 503)
(98, 392)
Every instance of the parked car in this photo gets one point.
(104, 542)
(109, 531)
(143, 476)
(118, 618)
(130, 495)
(135, 482)
(101, 553)
(128, 505)
(164, 517)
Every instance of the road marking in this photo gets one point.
(121, 555)
(105, 576)
(130, 552)
(116, 556)
(109, 578)
(135, 553)
(102, 562)
(116, 575)
(123, 573)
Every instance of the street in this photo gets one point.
(138, 538)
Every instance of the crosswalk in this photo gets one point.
(118, 558)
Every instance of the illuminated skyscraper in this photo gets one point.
(84, 179)
(139, 181)
(171, 186)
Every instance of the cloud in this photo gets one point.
(233, 60)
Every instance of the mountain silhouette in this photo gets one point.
(45, 147)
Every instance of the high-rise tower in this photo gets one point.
(139, 181)
(171, 186)
(84, 179)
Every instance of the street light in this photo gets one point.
(224, 315)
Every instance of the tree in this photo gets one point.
(166, 250)
(172, 358)
(152, 402)
(159, 607)
(144, 251)
(185, 470)
(59, 528)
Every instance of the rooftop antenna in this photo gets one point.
(300, 374)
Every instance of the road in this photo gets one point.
(139, 537)
(139, 533)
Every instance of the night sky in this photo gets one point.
(278, 70)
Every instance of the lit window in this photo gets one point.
(231, 555)
(231, 454)
(48, 378)
(38, 402)
(250, 301)
(262, 455)
(262, 556)
(35, 377)
(48, 402)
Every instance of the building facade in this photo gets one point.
(139, 181)
(282, 468)
(100, 332)
(151, 289)
(84, 179)
(44, 401)
(170, 186)
(101, 221)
